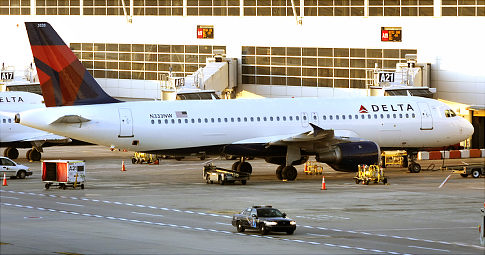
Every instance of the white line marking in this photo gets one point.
(149, 214)
(313, 243)
(10, 197)
(310, 234)
(221, 223)
(61, 203)
(426, 248)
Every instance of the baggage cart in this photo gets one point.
(63, 173)
(368, 174)
(213, 174)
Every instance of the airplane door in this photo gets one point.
(426, 117)
(304, 119)
(126, 123)
(314, 118)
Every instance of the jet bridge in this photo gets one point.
(218, 76)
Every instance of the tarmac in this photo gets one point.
(169, 209)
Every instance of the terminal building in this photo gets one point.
(273, 48)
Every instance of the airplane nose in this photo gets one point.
(467, 128)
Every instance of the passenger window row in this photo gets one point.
(5, 120)
(282, 118)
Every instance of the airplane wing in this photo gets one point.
(34, 136)
(314, 136)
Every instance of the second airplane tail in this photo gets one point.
(63, 79)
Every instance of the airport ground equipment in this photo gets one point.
(263, 218)
(12, 169)
(368, 174)
(394, 158)
(213, 174)
(141, 158)
(313, 168)
(475, 170)
(63, 173)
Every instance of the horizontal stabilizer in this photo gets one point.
(70, 119)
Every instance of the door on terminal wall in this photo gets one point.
(126, 123)
(426, 118)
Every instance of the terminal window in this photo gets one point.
(15, 7)
(141, 61)
(317, 67)
(401, 7)
(213, 7)
(270, 8)
(463, 8)
(334, 8)
(57, 7)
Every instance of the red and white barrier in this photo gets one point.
(453, 154)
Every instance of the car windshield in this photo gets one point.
(269, 212)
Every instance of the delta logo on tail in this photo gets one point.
(362, 109)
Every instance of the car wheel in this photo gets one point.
(290, 232)
(21, 175)
(243, 182)
(264, 229)
(475, 173)
(47, 186)
(82, 186)
(239, 227)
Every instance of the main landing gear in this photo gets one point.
(413, 167)
(288, 173)
(242, 166)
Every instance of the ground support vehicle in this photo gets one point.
(475, 170)
(368, 174)
(313, 168)
(63, 173)
(394, 158)
(213, 174)
(141, 158)
(12, 169)
(263, 218)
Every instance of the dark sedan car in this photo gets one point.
(264, 219)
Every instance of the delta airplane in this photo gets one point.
(13, 136)
(342, 132)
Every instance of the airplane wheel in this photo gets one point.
(27, 154)
(289, 173)
(245, 167)
(11, 153)
(235, 165)
(279, 172)
(35, 155)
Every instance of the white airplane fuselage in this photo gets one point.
(391, 122)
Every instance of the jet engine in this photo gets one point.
(346, 157)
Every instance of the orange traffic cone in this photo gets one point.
(123, 169)
(4, 180)
(323, 183)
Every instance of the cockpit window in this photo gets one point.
(449, 113)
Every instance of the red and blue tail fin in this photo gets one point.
(63, 79)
